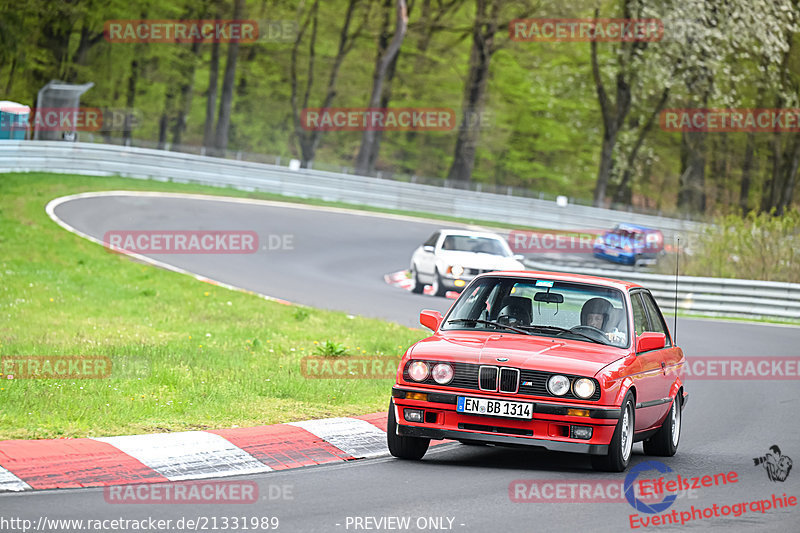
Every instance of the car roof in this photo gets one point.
(468, 233)
(633, 227)
(563, 276)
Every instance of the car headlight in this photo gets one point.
(418, 370)
(442, 373)
(583, 388)
(457, 270)
(558, 385)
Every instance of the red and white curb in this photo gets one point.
(164, 457)
(401, 279)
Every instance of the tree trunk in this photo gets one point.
(624, 192)
(387, 56)
(185, 98)
(87, 41)
(211, 96)
(613, 116)
(747, 168)
(692, 195)
(483, 34)
(228, 81)
(163, 123)
(130, 100)
(790, 176)
(309, 140)
(10, 81)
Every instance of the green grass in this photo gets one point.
(206, 357)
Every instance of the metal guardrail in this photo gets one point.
(105, 159)
(707, 296)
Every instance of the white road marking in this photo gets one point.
(10, 482)
(188, 454)
(357, 437)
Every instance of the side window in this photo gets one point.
(432, 240)
(639, 317)
(656, 320)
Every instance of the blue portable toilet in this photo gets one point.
(13, 120)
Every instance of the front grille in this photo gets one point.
(530, 382)
(488, 378)
(509, 380)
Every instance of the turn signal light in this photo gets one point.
(577, 412)
(417, 396)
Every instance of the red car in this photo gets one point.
(563, 362)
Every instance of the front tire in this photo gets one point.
(621, 447)
(418, 286)
(665, 442)
(403, 447)
(438, 287)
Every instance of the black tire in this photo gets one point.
(665, 442)
(438, 288)
(621, 447)
(403, 447)
(418, 286)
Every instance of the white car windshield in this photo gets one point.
(577, 311)
(467, 243)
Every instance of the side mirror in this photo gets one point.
(430, 319)
(650, 340)
(428, 248)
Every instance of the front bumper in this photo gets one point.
(550, 427)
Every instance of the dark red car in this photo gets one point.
(564, 362)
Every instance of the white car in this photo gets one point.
(450, 258)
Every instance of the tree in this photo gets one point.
(484, 29)
(228, 80)
(384, 67)
(308, 141)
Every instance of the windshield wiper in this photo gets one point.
(562, 331)
(488, 322)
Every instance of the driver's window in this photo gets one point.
(639, 318)
(656, 321)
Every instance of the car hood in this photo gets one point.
(480, 261)
(529, 352)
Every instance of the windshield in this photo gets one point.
(577, 311)
(466, 243)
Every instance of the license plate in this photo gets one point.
(612, 253)
(485, 406)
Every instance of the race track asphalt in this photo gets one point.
(337, 262)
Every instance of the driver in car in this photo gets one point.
(596, 313)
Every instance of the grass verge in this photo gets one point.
(204, 356)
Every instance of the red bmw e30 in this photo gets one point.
(564, 362)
